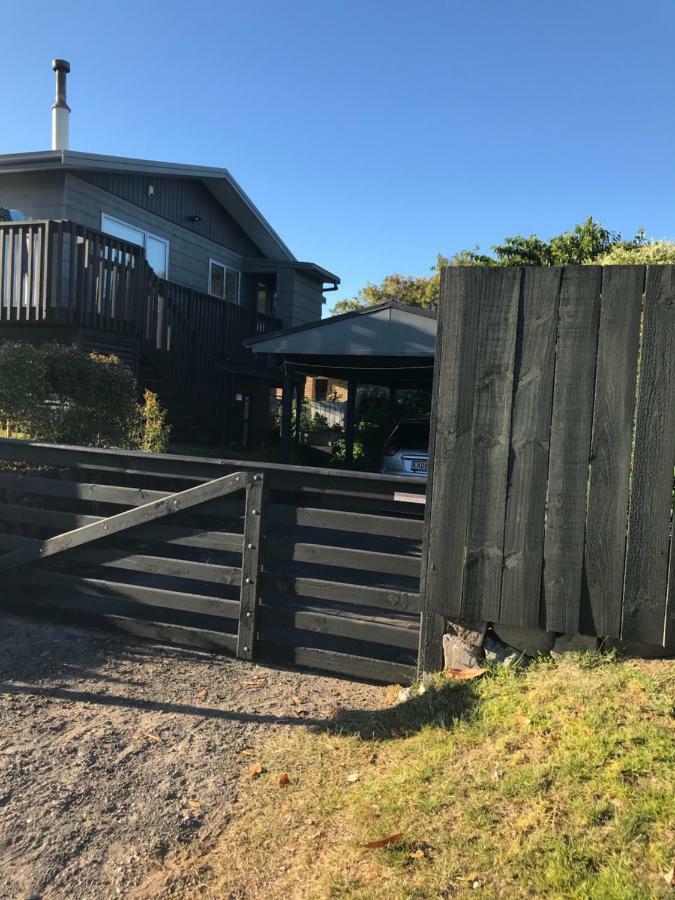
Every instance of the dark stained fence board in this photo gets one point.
(146, 596)
(651, 489)
(573, 393)
(452, 420)
(342, 592)
(119, 558)
(613, 416)
(361, 629)
(343, 557)
(493, 396)
(530, 433)
(346, 664)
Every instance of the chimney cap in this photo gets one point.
(60, 65)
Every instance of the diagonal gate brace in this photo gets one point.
(140, 515)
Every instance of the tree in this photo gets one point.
(652, 253)
(588, 242)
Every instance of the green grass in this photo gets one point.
(558, 781)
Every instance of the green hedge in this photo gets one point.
(55, 392)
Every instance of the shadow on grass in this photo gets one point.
(440, 705)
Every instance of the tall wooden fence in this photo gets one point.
(331, 581)
(553, 447)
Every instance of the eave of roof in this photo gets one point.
(269, 265)
(217, 180)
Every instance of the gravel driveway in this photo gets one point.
(116, 755)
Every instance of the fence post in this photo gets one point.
(250, 568)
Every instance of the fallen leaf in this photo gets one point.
(416, 854)
(255, 771)
(669, 877)
(203, 694)
(194, 804)
(284, 780)
(353, 777)
(151, 736)
(463, 674)
(295, 700)
(385, 841)
(247, 751)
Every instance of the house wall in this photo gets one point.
(177, 200)
(82, 197)
(300, 299)
(189, 253)
(39, 195)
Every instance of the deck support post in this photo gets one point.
(286, 414)
(350, 421)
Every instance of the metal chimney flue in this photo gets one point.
(60, 109)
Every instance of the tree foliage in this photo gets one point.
(55, 392)
(589, 242)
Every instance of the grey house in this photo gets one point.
(170, 266)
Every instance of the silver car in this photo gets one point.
(407, 449)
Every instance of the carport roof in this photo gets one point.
(389, 330)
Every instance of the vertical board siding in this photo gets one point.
(652, 483)
(493, 395)
(452, 412)
(573, 393)
(614, 409)
(530, 433)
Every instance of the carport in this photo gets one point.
(390, 345)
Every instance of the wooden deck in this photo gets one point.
(62, 278)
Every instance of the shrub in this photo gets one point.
(154, 432)
(55, 392)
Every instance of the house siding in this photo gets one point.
(189, 253)
(299, 298)
(177, 200)
(38, 195)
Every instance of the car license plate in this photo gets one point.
(419, 465)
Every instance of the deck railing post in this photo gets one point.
(251, 565)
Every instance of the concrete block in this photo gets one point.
(457, 654)
(573, 643)
(530, 641)
(470, 632)
(498, 652)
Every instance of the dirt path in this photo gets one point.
(118, 757)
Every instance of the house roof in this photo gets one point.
(391, 329)
(218, 181)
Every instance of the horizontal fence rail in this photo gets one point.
(553, 448)
(329, 580)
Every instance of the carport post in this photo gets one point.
(350, 421)
(286, 414)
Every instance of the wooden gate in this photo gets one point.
(551, 478)
(309, 566)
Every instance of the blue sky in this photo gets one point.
(372, 134)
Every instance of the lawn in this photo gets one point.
(558, 781)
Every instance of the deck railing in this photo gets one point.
(59, 272)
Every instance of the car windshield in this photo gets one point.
(411, 435)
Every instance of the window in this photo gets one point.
(156, 248)
(223, 282)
